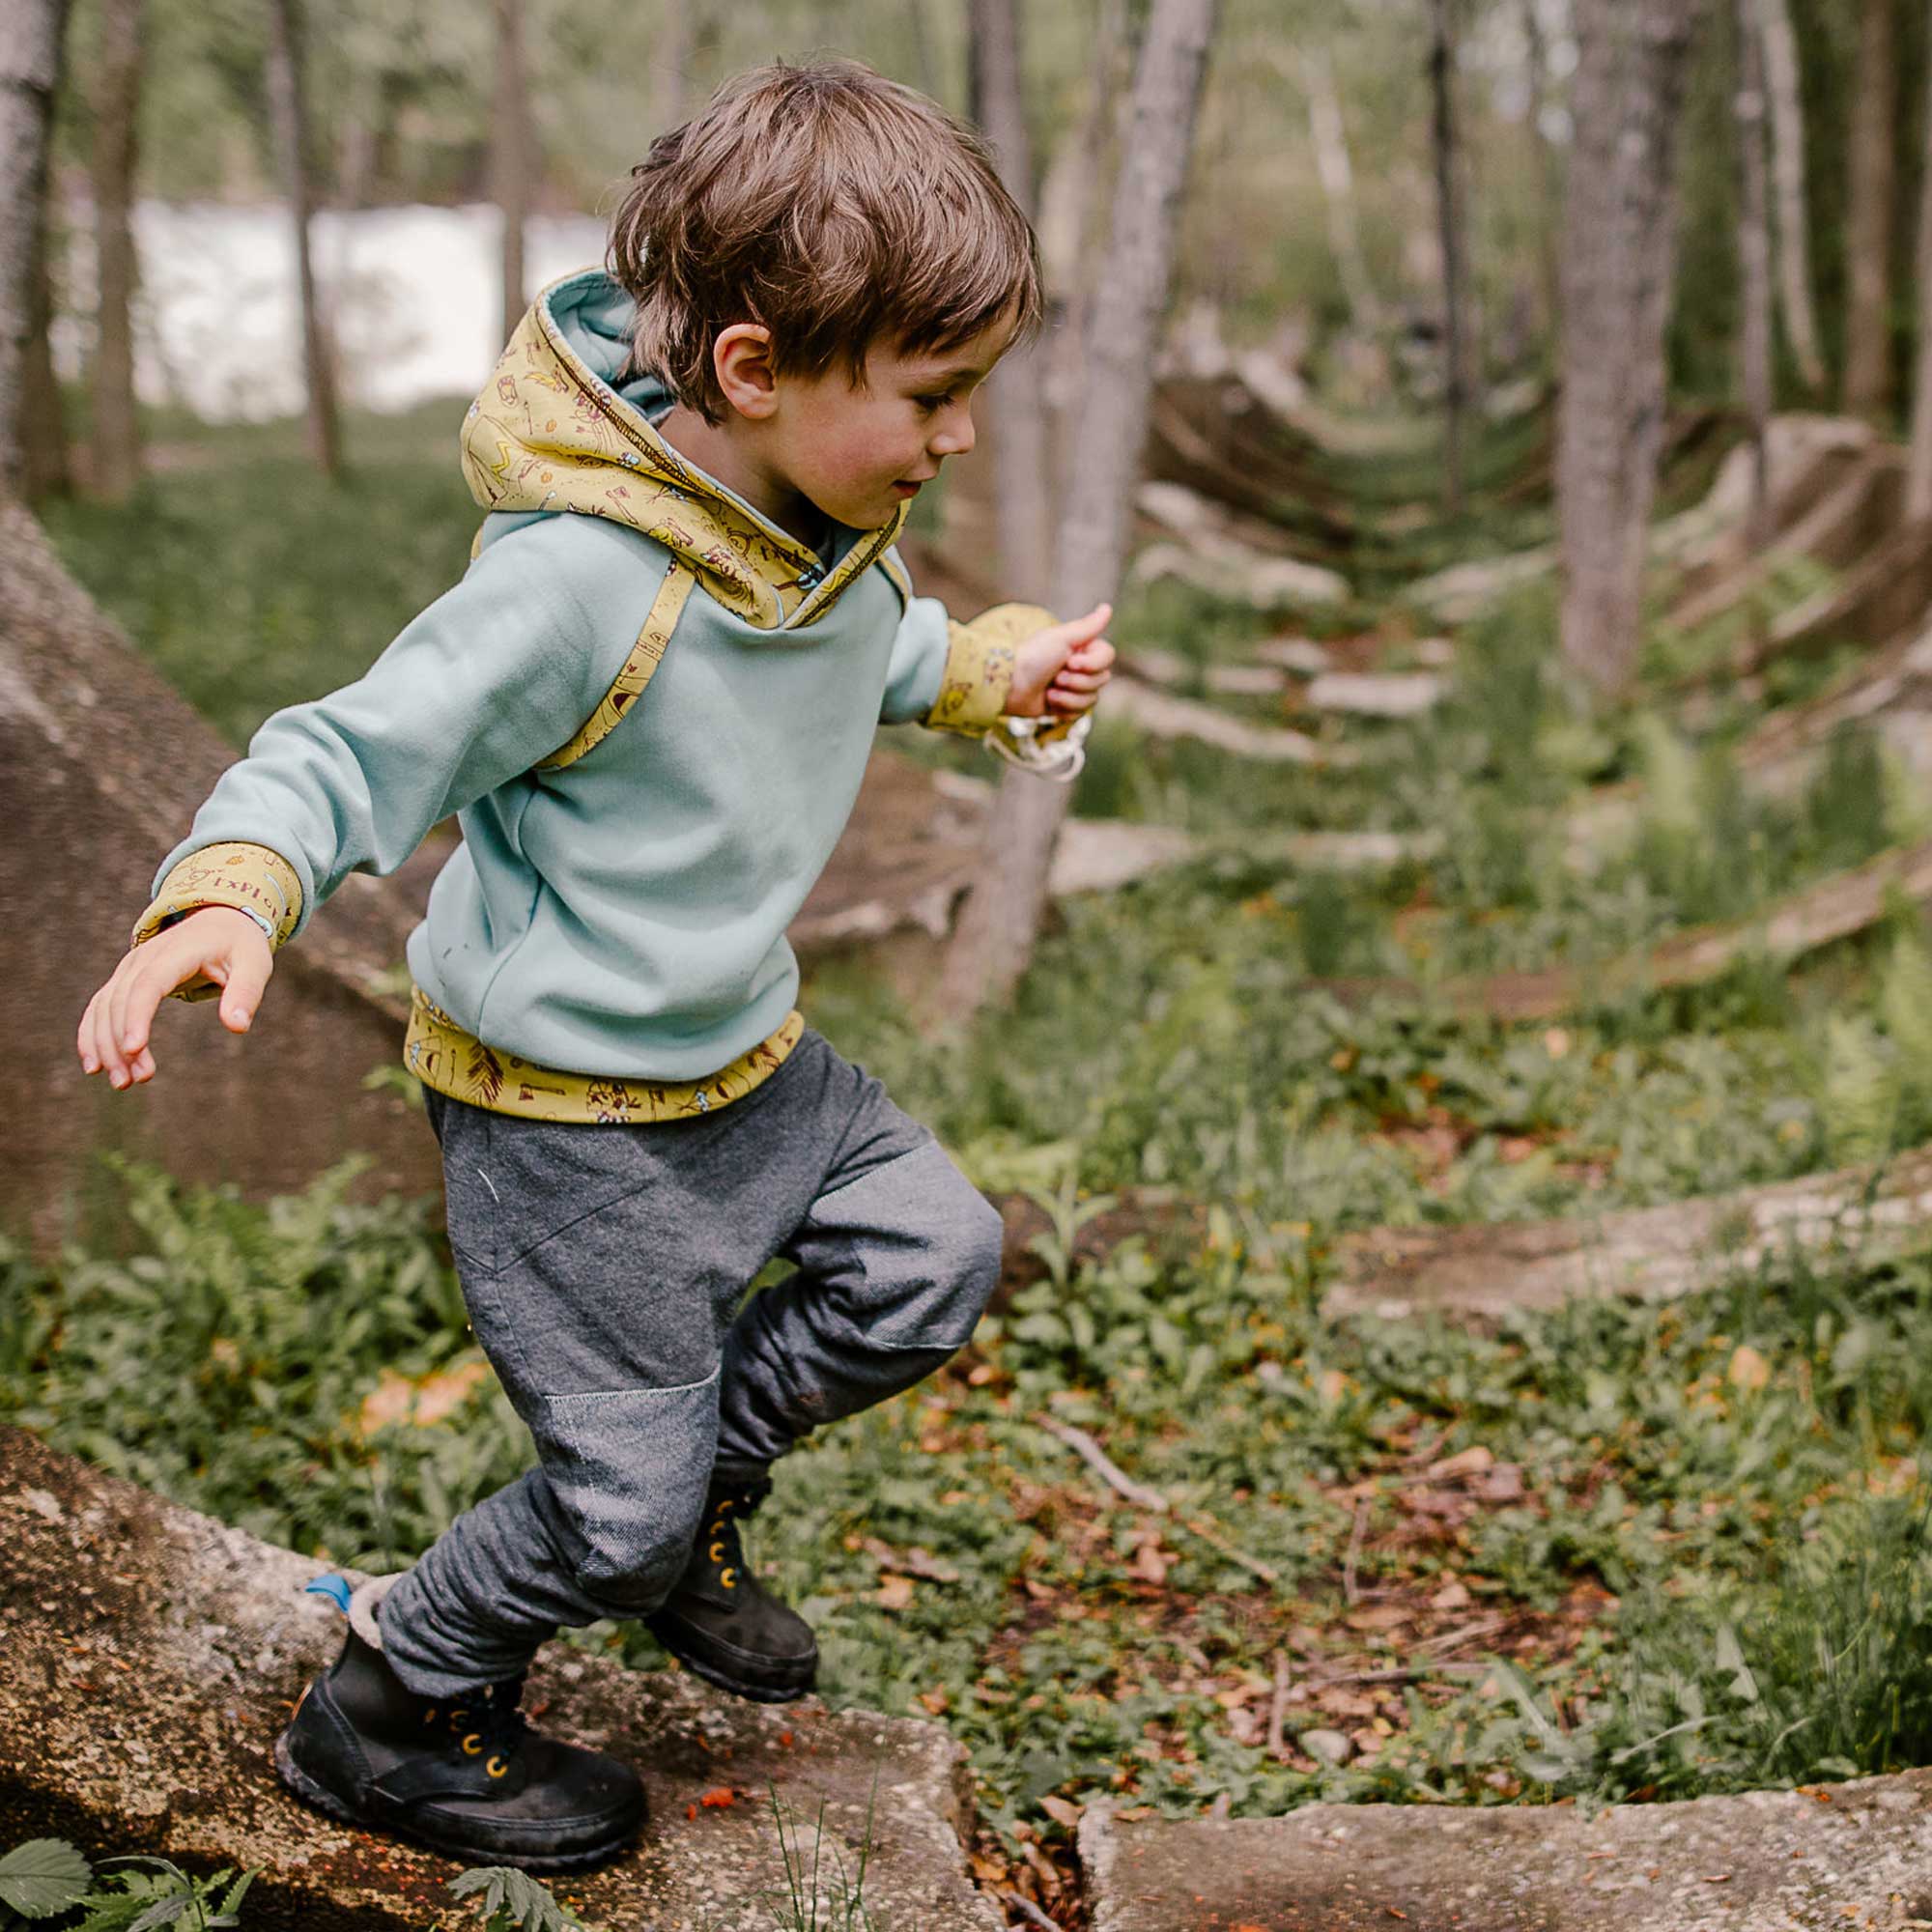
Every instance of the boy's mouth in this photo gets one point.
(904, 489)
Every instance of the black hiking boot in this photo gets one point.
(722, 1621)
(464, 1776)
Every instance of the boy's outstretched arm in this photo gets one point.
(491, 679)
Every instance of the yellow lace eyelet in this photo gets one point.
(497, 1768)
(729, 1578)
(428, 1715)
(717, 1552)
(456, 1718)
(473, 1743)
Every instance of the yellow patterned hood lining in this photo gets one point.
(553, 430)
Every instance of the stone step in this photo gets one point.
(148, 1656)
(1838, 1856)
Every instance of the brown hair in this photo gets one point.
(829, 205)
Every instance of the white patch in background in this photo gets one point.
(412, 294)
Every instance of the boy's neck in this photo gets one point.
(735, 464)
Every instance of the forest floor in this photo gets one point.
(1610, 1552)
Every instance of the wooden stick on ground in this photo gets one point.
(1140, 1496)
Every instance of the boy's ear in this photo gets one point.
(741, 357)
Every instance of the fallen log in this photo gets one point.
(1832, 909)
(1162, 715)
(1477, 1274)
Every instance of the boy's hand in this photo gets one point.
(1061, 667)
(217, 942)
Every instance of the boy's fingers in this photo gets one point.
(242, 993)
(1083, 630)
(83, 1038)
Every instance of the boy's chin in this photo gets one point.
(873, 514)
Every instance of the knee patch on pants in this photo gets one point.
(627, 1469)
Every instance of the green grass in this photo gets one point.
(1705, 1568)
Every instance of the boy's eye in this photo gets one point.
(931, 404)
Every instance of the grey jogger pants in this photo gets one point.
(602, 1268)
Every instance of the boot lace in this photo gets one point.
(722, 1544)
(484, 1723)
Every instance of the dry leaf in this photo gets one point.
(426, 1401)
(1473, 1462)
(893, 1593)
(1062, 1811)
(1748, 1370)
(1151, 1563)
(1376, 1617)
(1451, 1596)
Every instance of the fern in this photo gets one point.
(1905, 1000)
(1860, 1102)
(514, 1900)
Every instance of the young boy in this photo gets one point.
(807, 282)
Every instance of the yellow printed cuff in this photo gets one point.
(979, 673)
(251, 878)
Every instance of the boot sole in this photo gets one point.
(702, 1667)
(325, 1801)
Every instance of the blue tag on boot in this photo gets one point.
(335, 1588)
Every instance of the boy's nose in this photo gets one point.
(955, 438)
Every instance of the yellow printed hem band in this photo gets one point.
(979, 673)
(446, 1057)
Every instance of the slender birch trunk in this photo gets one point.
(30, 52)
(1328, 134)
(1449, 225)
(1873, 189)
(512, 154)
(1072, 240)
(1788, 174)
(1754, 260)
(997, 930)
(287, 98)
(1549, 252)
(1619, 263)
(117, 97)
(1017, 394)
(1918, 467)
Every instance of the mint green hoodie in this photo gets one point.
(623, 914)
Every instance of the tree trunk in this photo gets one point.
(287, 100)
(45, 469)
(1918, 467)
(512, 154)
(1793, 236)
(1754, 262)
(1549, 253)
(30, 45)
(1871, 189)
(1449, 225)
(690, 32)
(1015, 394)
(1329, 136)
(995, 937)
(1619, 257)
(1072, 240)
(116, 100)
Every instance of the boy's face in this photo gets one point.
(859, 451)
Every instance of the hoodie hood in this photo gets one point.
(554, 430)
